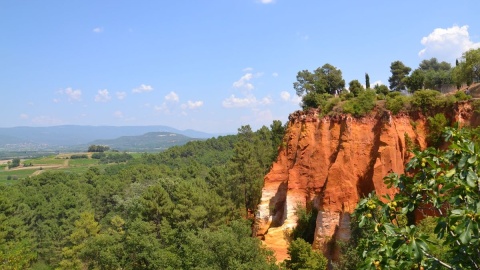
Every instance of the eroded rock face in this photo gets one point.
(331, 162)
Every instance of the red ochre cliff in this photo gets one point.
(331, 162)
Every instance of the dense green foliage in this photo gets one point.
(188, 207)
(468, 69)
(362, 104)
(399, 73)
(98, 148)
(306, 222)
(430, 74)
(324, 80)
(443, 184)
(303, 257)
(14, 163)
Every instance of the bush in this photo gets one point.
(461, 95)
(315, 100)
(397, 103)
(330, 104)
(98, 155)
(78, 156)
(476, 105)
(15, 163)
(306, 223)
(302, 256)
(360, 105)
(435, 126)
(425, 100)
(116, 158)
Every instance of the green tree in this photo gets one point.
(156, 206)
(468, 70)
(381, 89)
(15, 163)
(303, 257)
(433, 64)
(415, 81)
(399, 72)
(324, 80)
(355, 87)
(85, 229)
(441, 183)
(367, 81)
(247, 172)
(278, 132)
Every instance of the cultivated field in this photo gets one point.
(60, 162)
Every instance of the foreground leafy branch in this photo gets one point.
(441, 184)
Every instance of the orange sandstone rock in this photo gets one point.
(332, 162)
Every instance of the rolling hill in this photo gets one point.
(152, 141)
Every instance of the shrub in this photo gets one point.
(314, 100)
(360, 105)
(98, 155)
(306, 223)
(330, 104)
(435, 126)
(425, 100)
(461, 95)
(302, 256)
(397, 103)
(476, 105)
(78, 156)
(346, 96)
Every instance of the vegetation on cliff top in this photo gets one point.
(324, 88)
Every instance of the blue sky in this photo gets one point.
(206, 65)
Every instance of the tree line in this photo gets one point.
(189, 207)
(327, 80)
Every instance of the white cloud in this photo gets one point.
(172, 96)
(56, 100)
(102, 96)
(23, 116)
(235, 102)
(118, 114)
(266, 101)
(98, 30)
(285, 95)
(170, 103)
(247, 69)
(192, 105)
(275, 74)
(143, 88)
(121, 95)
(267, 1)
(243, 82)
(447, 44)
(73, 95)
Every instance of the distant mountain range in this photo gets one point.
(77, 137)
(152, 141)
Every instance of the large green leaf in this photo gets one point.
(472, 178)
